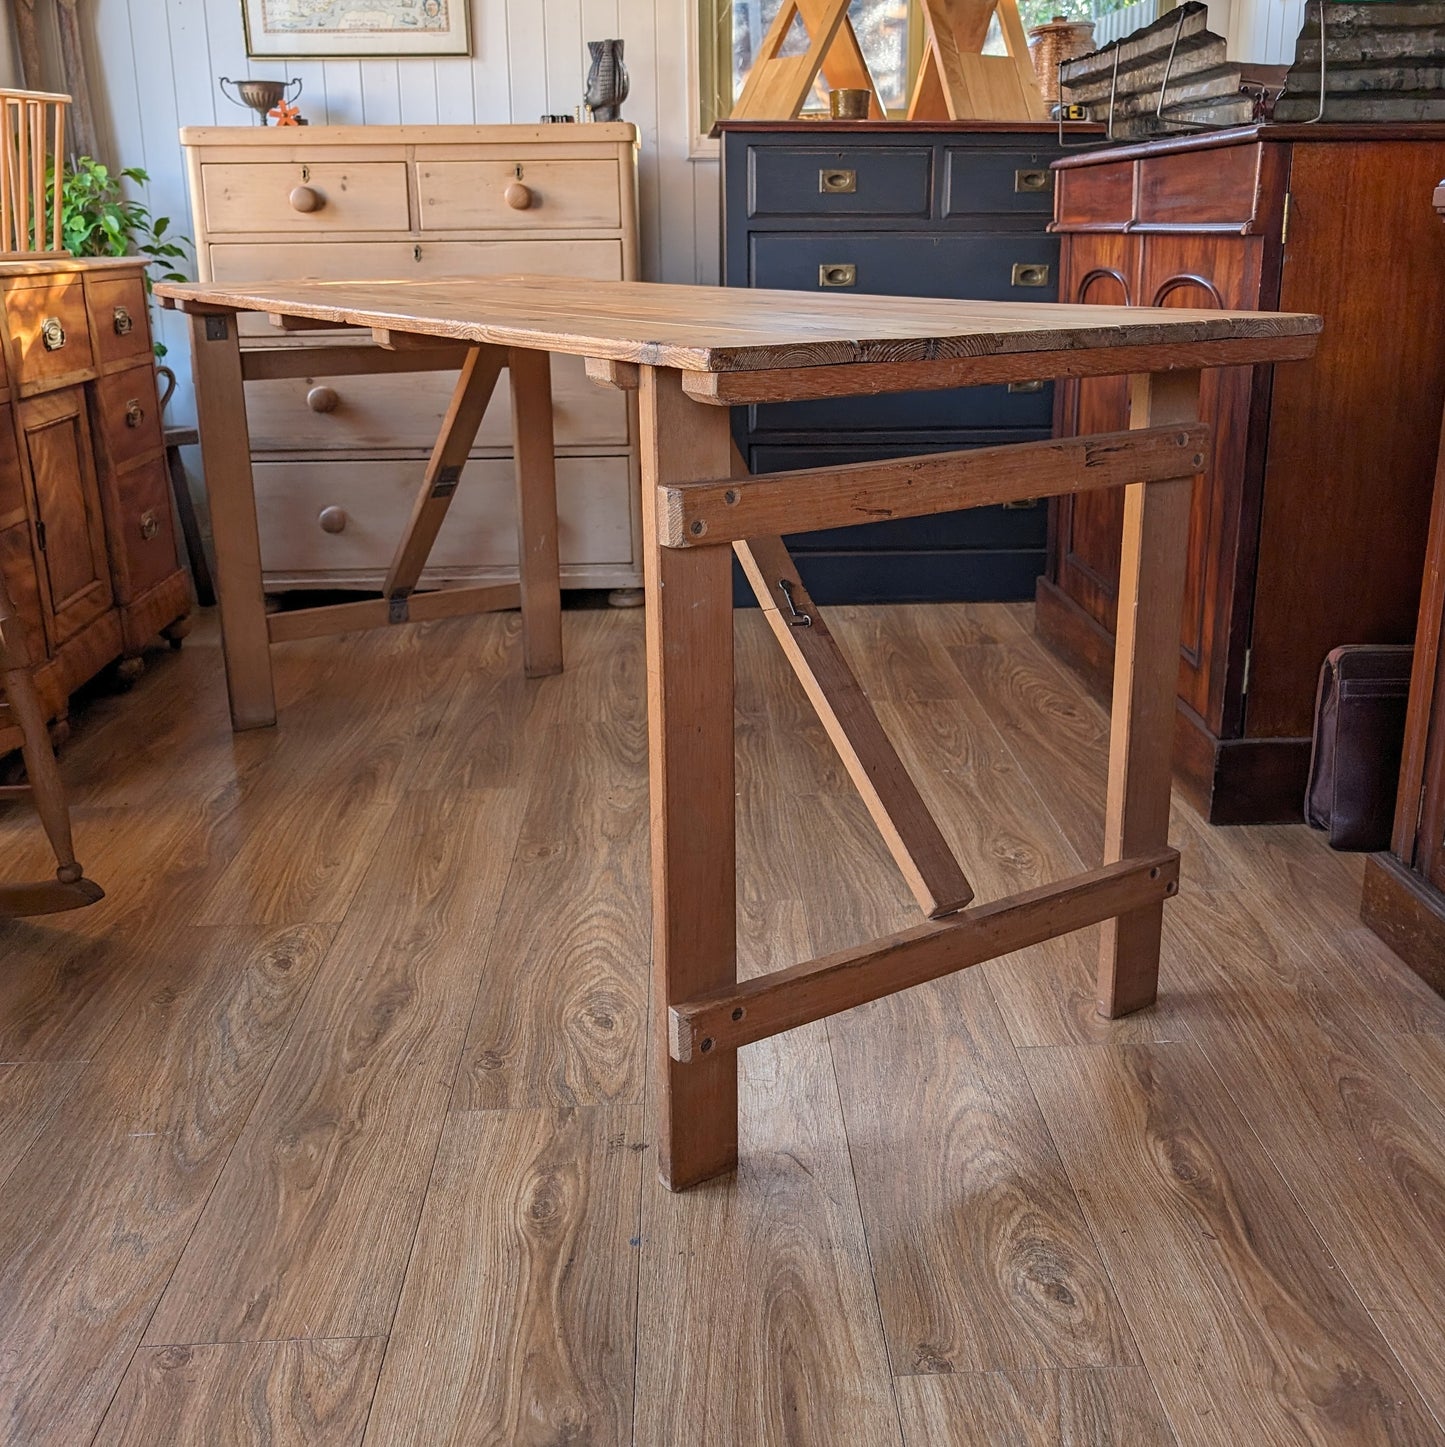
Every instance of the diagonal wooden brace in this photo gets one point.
(473, 392)
(890, 795)
(737, 1015)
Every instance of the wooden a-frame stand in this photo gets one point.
(957, 82)
(778, 86)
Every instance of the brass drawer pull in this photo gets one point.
(1029, 273)
(323, 399)
(122, 322)
(306, 198)
(837, 183)
(150, 525)
(1026, 386)
(134, 413)
(52, 334)
(1033, 180)
(838, 274)
(332, 519)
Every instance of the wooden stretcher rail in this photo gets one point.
(378, 612)
(769, 1004)
(730, 510)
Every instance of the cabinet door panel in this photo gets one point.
(1223, 272)
(1097, 273)
(1206, 271)
(75, 575)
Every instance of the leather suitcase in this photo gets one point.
(1358, 739)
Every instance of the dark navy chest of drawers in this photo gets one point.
(898, 209)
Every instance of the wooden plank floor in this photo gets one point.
(329, 1125)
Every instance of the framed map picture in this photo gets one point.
(355, 27)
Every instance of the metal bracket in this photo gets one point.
(216, 329)
(446, 483)
(797, 619)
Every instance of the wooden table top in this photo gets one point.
(717, 330)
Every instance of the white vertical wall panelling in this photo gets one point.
(563, 51)
(527, 58)
(491, 76)
(417, 93)
(637, 24)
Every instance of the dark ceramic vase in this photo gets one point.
(606, 80)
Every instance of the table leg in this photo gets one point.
(226, 459)
(1146, 674)
(536, 465)
(690, 750)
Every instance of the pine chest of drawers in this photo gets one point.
(899, 209)
(337, 459)
(87, 542)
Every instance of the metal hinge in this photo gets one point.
(1248, 663)
(1284, 225)
(40, 534)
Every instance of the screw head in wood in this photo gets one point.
(1198, 459)
(730, 497)
(706, 1045)
(739, 1013)
(1154, 873)
(697, 527)
(1172, 887)
(1181, 438)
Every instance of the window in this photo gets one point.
(889, 31)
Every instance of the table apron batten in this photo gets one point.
(767, 1005)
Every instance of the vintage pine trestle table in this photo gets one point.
(689, 353)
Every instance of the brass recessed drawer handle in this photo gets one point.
(1026, 386)
(306, 198)
(150, 525)
(837, 183)
(52, 334)
(123, 322)
(1033, 180)
(1028, 273)
(332, 519)
(838, 274)
(134, 413)
(323, 399)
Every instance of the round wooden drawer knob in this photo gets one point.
(307, 198)
(332, 519)
(518, 196)
(323, 399)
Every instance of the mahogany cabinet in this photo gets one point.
(87, 541)
(1404, 893)
(1308, 530)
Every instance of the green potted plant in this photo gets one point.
(98, 219)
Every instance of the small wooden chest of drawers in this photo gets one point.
(87, 543)
(395, 202)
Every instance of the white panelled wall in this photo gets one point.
(155, 65)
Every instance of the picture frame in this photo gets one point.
(360, 29)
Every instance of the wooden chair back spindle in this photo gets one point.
(32, 141)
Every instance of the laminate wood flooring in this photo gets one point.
(328, 1126)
